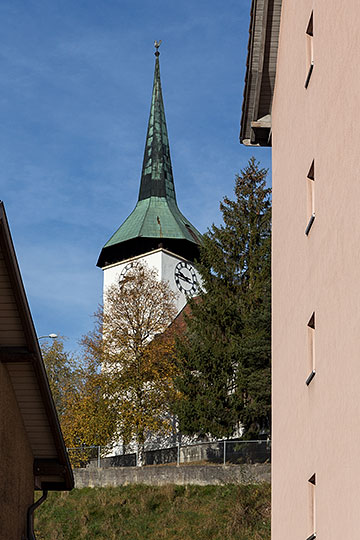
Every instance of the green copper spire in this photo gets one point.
(156, 220)
(157, 177)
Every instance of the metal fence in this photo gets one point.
(224, 452)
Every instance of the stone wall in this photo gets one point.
(170, 474)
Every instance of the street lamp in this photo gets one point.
(51, 336)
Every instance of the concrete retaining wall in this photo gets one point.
(161, 475)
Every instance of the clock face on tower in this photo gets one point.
(185, 278)
(126, 269)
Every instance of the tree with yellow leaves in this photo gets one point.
(78, 386)
(132, 341)
(61, 368)
(89, 417)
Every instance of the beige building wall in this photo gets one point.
(316, 428)
(16, 465)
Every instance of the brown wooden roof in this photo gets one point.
(20, 353)
(260, 72)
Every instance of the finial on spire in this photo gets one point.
(157, 45)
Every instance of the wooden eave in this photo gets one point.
(260, 72)
(21, 355)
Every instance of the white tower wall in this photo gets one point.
(163, 261)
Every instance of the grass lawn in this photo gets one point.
(146, 512)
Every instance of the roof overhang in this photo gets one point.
(141, 245)
(260, 72)
(21, 355)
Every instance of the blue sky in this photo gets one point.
(75, 90)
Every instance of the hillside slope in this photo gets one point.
(153, 513)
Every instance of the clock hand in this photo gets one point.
(181, 275)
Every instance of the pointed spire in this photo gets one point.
(157, 176)
(156, 220)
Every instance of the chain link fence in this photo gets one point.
(224, 452)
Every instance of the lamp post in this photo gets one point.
(51, 336)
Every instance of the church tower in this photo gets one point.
(156, 232)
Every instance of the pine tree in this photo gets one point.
(224, 356)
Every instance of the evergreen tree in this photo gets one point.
(224, 355)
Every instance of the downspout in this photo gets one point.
(30, 516)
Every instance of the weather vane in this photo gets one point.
(157, 45)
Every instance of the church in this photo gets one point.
(156, 232)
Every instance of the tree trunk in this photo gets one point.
(140, 455)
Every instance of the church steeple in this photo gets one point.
(157, 176)
(156, 221)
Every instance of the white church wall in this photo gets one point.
(163, 261)
(166, 264)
